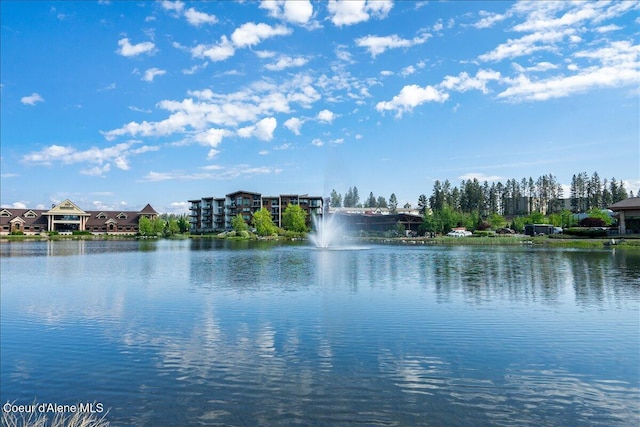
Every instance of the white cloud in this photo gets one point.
(608, 28)
(222, 173)
(32, 99)
(96, 171)
(282, 147)
(317, 142)
(262, 130)
(17, 205)
(175, 6)
(116, 155)
(296, 11)
(377, 44)
(526, 45)
(286, 62)
(151, 73)
(349, 12)
(480, 177)
(463, 82)
(194, 69)
(251, 34)
(212, 137)
(218, 52)
(488, 19)
(294, 124)
(410, 97)
(326, 116)
(619, 67)
(127, 49)
(407, 71)
(111, 86)
(196, 18)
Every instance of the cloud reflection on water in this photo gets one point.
(293, 334)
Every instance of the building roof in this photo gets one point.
(632, 203)
(148, 210)
(29, 217)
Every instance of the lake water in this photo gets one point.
(201, 332)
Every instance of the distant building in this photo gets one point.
(377, 219)
(211, 214)
(514, 206)
(628, 215)
(68, 217)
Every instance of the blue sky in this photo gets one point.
(118, 104)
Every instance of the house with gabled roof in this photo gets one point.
(66, 217)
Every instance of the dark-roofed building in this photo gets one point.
(628, 215)
(67, 217)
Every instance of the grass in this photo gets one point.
(78, 419)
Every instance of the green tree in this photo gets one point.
(422, 204)
(393, 203)
(600, 214)
(263, 223)
(496, 221)
(371, 201)
(336, 199)
(382, 202)
(238, 223)
(173, 227)
(158, 226)
(183, 224)
(347, 201)
(294, 219)
(145, 226)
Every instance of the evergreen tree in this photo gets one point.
(422, 204)
(336, 199)
(356, 198)
(348, 199)
(393, 203)
(382, 202)
(371, 201)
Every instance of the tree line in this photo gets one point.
(543, 194)
(351, 199)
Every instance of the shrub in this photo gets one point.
(585, 232)
(17, 233)
(592, 222)
(484, 225)
(484, 233)
(244, 234)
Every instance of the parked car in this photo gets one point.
(505, 231)
(459, 233)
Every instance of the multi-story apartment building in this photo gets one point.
(210, 214)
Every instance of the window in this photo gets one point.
(5, 213)
(101, 215)
(121, 215)
(30, 214)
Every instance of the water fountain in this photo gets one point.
(326, 231)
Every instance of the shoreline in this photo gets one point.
(624, 242)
